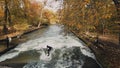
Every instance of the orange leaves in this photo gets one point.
(86, 2)
(34, 9)
(87, 13)
(106, 16)
(50, 15)
(1, 12)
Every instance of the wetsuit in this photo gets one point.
(49, 48)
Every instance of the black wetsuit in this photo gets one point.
(49, 48)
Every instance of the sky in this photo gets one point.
(52, 4)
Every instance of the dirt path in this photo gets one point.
(107, 51)
(108, 55)
(110, 38)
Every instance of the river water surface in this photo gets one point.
(68, 51)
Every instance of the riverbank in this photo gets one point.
(16, 39)
(19, 33)
(107, 51)
(13, 65)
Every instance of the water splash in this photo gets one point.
(68, 51)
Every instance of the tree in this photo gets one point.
(49, 15)
(117, 3)
(91, 15)
(7, 17)
(33, 13)
(44, 4)
(1, 10)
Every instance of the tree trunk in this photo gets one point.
(5, 28)
(7, 18)
(117, 4)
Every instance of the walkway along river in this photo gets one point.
(68, 51)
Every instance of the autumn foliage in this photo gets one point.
(23, 12)
(90, 15)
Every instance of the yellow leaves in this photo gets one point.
(71, 14)
(79, 26)
(21, 26)
(1, 12)
(97, 3)
(26, 4)
(95, 12)
(50, 15)
(106, 16)
(88, 1)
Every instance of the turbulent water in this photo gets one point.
(68, 51)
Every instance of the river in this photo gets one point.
(68, 51)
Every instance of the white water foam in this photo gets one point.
(8, 56)
(51, 37)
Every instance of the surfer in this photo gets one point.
(49, 48)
